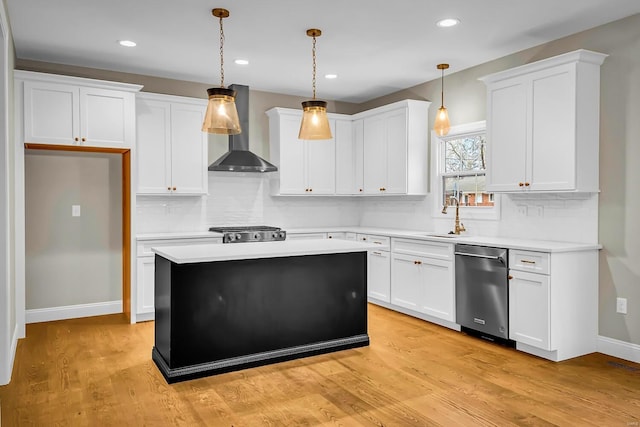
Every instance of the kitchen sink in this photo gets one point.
(441, 235)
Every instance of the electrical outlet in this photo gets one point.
(621, 305)
(75, 210)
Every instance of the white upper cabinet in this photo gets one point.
(306, 167)
(379, 151)
(395, 148)
(171, 148)
(543, 125)
(349, 156)
(62, 110)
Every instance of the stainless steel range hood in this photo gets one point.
(239, 158)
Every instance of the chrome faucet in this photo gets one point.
(459, 227)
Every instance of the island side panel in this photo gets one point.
(228, 309)
(162, 302)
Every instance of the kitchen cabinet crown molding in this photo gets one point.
(76, 81)
(580, 55)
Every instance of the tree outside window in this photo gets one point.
(464, 171)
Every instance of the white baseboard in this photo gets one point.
(73, 311)
(621, 349)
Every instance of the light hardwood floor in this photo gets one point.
(98, 372)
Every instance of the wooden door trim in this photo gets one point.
(126, 208)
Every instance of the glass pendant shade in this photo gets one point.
(441, 125)
(315, 123)
(222, 115)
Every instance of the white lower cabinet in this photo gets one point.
(529, 305)
(145, 271)
(422, 277)
(553, 302)
(379, 275)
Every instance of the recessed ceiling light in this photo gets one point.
(241, 62)
(127, 43)
(330, 76)
(448, 22)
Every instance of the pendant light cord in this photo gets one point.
(442, 90)
(221, 54)
(313, 52)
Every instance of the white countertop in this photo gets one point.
(504, 242)
(178, 235)
(225, 252)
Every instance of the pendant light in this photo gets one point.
(441, 125)
(221, 116)
(315, 123)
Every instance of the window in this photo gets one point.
(459, 165)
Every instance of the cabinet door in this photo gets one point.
(145, 285)
(552, 163)
(379, 275)
(321, 164)
(153, 146)
(396, 152)
(529, 309)
(188, 149)
(439, 290)
(51, 113)
(293, 178)
(407, 286)
(348, 157)
(106, 117)
(375, 155)
(507, 135)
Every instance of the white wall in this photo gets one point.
(8, 330)
(70, 260)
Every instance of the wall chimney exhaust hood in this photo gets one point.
(239, 158)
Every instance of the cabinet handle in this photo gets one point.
(417, 262)
(520, 184)
(76, 139)
(376, 253)
(524, 261)
(526, 184)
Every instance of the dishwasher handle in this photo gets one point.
(493, 257)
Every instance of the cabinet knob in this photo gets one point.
(174, 188)
(84, 139)
(520, 184)
(360, 190)
(76, 139)
(169, 188)
(526, 184)
(311, 189)
(509, 277)
(364, 238)
(330, 237)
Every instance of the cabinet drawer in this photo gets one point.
(537, 262)
(383, 241)
(144, 247)
(304, 236)
(423, 248)
(337, 235)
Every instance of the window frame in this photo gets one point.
(437, 172)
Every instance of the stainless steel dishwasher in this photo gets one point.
(482, 290)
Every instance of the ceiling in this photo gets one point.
(375, 47)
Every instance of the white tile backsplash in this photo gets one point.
(246, 199)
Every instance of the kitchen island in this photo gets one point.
(225, 307)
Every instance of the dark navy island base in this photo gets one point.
(222, 316)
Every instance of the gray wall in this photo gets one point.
(72, 260)
(619, 233)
